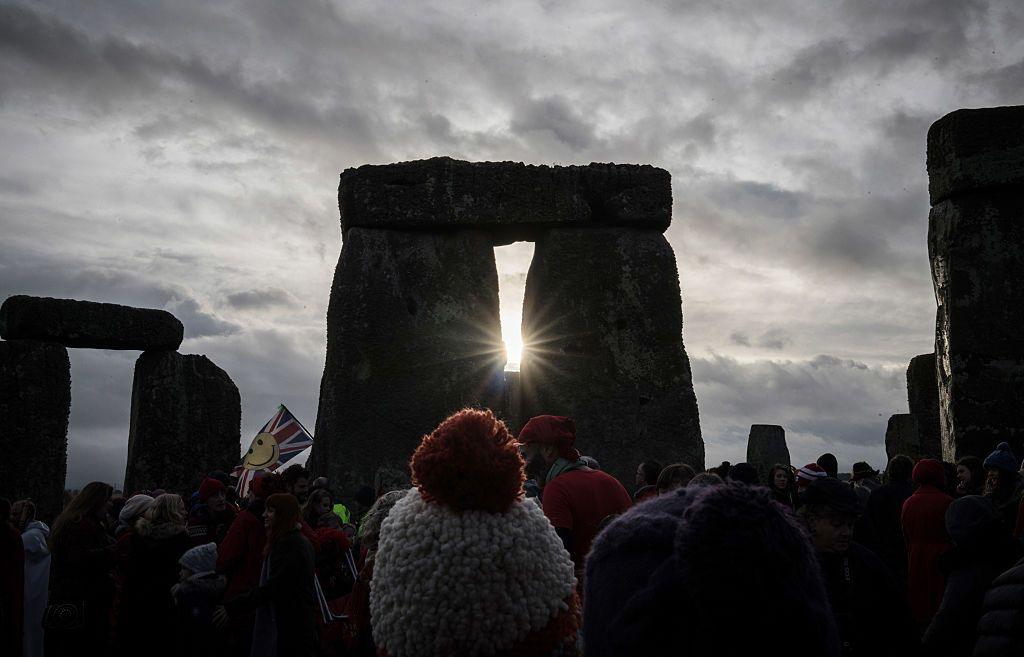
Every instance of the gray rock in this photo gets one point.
(903, 437)
(976, 246)
(975, 149)
(602, 329)
(185, 422)
(35, 402)
(923, 399)
(766, 446)
(512, 199)
(413, 334)
(88, 324)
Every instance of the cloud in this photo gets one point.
(259, 299)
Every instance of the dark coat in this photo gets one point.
(194, 601)
(12, 590)
(868, 604)
(1001, 628)
(885, 506)
(290, 592)
(983, 549)
(82, 571)
(205, 526)
(924, 529)
(145, 608)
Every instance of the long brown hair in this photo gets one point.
(88, 501)
(286, 516)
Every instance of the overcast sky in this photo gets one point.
(185, 155)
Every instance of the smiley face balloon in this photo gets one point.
(263, 452)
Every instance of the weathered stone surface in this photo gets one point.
(88, 324)
(509, 198)
(35, 402)
(602, 329)
(185, 422)
(923, 399)
(975, 149)
(976, 246)
(766, 446)
(413, 334)
(903, 437)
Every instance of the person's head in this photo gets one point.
(899, 469)
(296, 478)
(166, 509)
(929, 472)
(266, 485)
(544, 440)
(1001, 471)
(829, 509)
(647, 473)
(974, 520)
(830, 464)
(780, 478)
(369, 528)
(809, 473)
(727, 561)
(133, 509)
(743, 473)
(862, 470)
(705, 479)
(674, 476)
(281, 514)
(91, 503)
(317, 505)
(213, 494)
(199, 560)
(22, 513)
(970, 475)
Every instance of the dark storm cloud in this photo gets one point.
(258, 299)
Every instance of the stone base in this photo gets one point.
(35, 403)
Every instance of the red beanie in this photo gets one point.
(209, 488)
(930, 471)
(553, 430)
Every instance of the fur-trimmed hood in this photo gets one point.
(208, 585)
(146, 527)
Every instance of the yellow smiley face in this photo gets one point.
(263, 452)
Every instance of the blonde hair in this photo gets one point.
(166, 509)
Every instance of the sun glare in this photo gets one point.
(512, 261)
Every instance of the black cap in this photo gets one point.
(832, 493)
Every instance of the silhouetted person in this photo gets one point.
(1002, 483)
(970, 476)
(885, 510)
(744, 473)
(924, 529)
(674, 476)
(12, 583)
(782, 484)
(646, 480)
(1001, 627)
(830, 464)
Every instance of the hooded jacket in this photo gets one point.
(1001, 628)
(924, 529)
(37, 579)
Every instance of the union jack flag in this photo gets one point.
(291, 438)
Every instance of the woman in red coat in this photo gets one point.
(924, 529)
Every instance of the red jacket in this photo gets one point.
(924, 529)
(240, 554)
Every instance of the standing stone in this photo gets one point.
(185, 422)
(976, 247)
(35, 403)
(766, 446)
(512, 403)
(902, 436)
(602, 335)
(923, 398)
(413, 334)
(89, 324)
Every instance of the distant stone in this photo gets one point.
(602, 329)
(923, 398)
(976, 247)
(185, 422)
(975, 149)
(88, 324)
(35, 403)
(511, 199)
(766, 446)
(903, 437)
(413, 335)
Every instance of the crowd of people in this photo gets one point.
(494, 544)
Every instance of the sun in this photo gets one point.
(512, 335)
